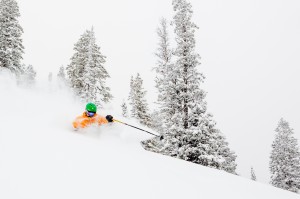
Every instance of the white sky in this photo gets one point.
(250, 56)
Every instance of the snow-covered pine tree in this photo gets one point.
(61, 74)
(253, 176)
(86, 71)
(124, 109)
(184, 92)
(226, 153)
(186, 95)
(285, 159)
(139, 105)
(11, 47)
(166, 84)
(165, 81)
(192, 135)
(131, 98)
(204, 144)
(28, 75)
(158, 121)
(61, 77)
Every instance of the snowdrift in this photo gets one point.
(42, 157)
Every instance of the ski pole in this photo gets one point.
(135, 127)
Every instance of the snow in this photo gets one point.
(42, 157)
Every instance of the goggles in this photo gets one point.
(90, 114)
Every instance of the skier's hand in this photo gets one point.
(109, 118)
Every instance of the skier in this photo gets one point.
(90, 117)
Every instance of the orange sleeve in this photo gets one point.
(102, 120)
(79, 122)
(75, 124)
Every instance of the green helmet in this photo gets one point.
(91, 107)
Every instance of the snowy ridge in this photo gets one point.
(42, 157)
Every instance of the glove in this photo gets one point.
(109, 118)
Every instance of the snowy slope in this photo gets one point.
(41, 157)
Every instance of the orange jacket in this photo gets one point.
(85, 121)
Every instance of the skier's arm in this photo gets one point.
(75, 124)
(79, 123)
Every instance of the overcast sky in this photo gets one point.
(249, 53)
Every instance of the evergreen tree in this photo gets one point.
(191, 96)
(61, 74)
(124, 109)
(28, 75)
(165, 81)
(86, 71)
(202, 144)
(158, 121)
(131, 98)
(253, 176)
(191, 134)
(11, 47)
(138, 102)
(31, 74)
(61, 77)
(285, 159)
